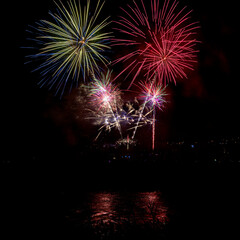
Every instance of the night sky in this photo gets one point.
(205, 104)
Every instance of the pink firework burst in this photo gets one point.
(153, 93)
(160, 46)
(104, 93)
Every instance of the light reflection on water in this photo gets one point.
(104, 208)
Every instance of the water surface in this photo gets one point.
(110, 211)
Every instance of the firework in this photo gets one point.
(124, 117)
(73, 43)
(126, 141)
(105, 95)
(104, 119)
(161, 45)
(153, 94)
(103, 92)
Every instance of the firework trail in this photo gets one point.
(70, 45)
(160, 45)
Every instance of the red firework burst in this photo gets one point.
(161, 46)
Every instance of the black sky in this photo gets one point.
(207, 104)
